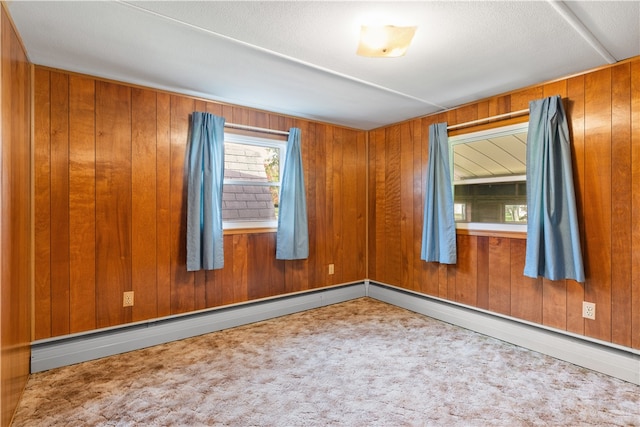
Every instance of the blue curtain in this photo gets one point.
(205, 165)
(439, 228)
(292, 238)
(553, 240)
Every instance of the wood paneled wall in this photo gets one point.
(603, 109)
(15, 224)
(110, 208)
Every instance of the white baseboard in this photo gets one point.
(56, 352)
(617, 361)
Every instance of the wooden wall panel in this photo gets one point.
(466, 271)
(82, 204)
(349, 189)
(144, 205)
(597, 201)
(360, 257)
(482, 276)
(182, 282)
(554, 303)
(499, 266)
(635, 204)
(320, 216)
(113, 203)
(163, 204)
(621, 225)
(393, 209)
(59, 122)
(376, 162)
(526, 292)
(138, 206)
(336, 250)
(420, 281)
(15, 222)
(42, 199)
(603, 114)
(575, 115)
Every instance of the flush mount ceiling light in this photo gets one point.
(384, 41)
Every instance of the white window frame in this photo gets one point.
(238, 138)
(476, 136)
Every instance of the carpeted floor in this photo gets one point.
(358, 363)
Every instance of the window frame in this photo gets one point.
(229, 227)
(464, 138)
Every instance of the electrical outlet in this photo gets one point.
(589, 310)
(331, 269)
(127, 299)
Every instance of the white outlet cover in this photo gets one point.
(589, 310)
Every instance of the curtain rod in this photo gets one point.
(488, 119)
(255, 129)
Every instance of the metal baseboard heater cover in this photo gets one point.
(617, 361)
(71, 349)
(611, 359)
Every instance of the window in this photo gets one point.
(489, 178)
(252, 173)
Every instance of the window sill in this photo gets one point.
(492, 230)
(248, 230)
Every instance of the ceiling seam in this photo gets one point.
(280, 55)
(570, 17)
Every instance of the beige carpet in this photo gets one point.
(359, 363)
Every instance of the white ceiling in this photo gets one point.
(298, 57)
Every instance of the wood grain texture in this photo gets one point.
(597, 199)
(420, 279)
(59, 160)
(393, 209)
(483, 272)
(407, 248)
(621, 204)
(113, 202)
(163, 204)
(42, 200)
(82, 204)
(575, 116)
(554, 303)
(499, 266)
(335, 147)
(635, 204)
(15, 222)
(466, 271)
(182, 281)
(144, 205)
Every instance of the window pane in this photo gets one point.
(503, 155)
(249, 202)
(504, 202)
(489, 172)
(460, 212)
(251, 162)
(515, 213)
(251, 180)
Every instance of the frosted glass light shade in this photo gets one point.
(386, 41)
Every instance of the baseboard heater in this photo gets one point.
(617, 361)
(70, 349)
(611, 359)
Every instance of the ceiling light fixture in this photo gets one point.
(384, 41)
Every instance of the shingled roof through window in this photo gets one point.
(246, 202)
